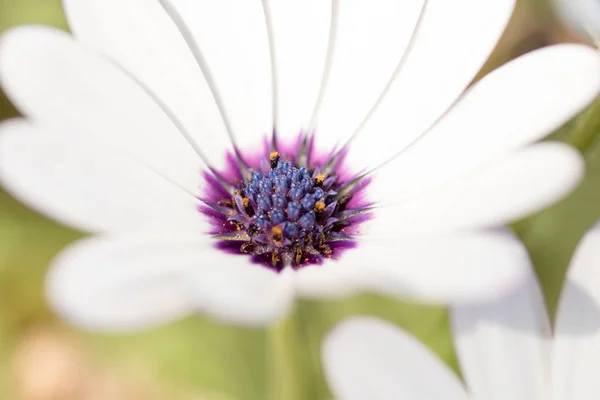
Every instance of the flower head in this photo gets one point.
(289, 210)
(505, 348)
(380, 169)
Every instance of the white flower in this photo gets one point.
(505, 348)
(126, 121)
(583, 16)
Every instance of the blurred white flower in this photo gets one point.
(129, 121)
(582, 16)
(505, 348)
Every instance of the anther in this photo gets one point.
(319, 207)
(247, 206)
(248, 247)
(319, 179)
(252, 229)
(274, 159)
(226, 203)
(275, 258)
(298, 256)
(277, 234)
(326, 250)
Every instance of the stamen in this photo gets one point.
(274, 159)
(326, 250)
(319, 179)
(247, 247)
(319, 207)
(277, 234)
(298, 256)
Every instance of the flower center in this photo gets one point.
(287, 214)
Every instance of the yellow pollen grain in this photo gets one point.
(277, 234)
(274, 156)
(246, 202)
(319, 206)
(319, 179)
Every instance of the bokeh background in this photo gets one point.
(43, 359)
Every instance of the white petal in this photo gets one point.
(501, 192)
(300, 38)
(333, 279)
(369, 41)
(111, 284)
(89, 186)
(576, 351)
(140, 36)
(367, 358)
(583, 16)
(61, 85)
(128, 283)
(232, 36)
(237, 291)
(458, 268)
(453, 42)
(517, 104)
(455, 269)
(502, 346)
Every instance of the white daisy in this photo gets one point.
(356, 160)
(505, 348)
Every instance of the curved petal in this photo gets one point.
(299, 32)
(236, 291)
(133, 282)
(502, 346)
(369, 41)
(582, 16)
(367, 358)
(454, 40)
(89, 186)
(111, 284)
(232, 37)
(502, 192)
(333, 279)
(67, 88)
(140, 36)
(459, 268)
(576, 350)
(515, 105)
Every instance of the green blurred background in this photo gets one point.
(42, 359)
